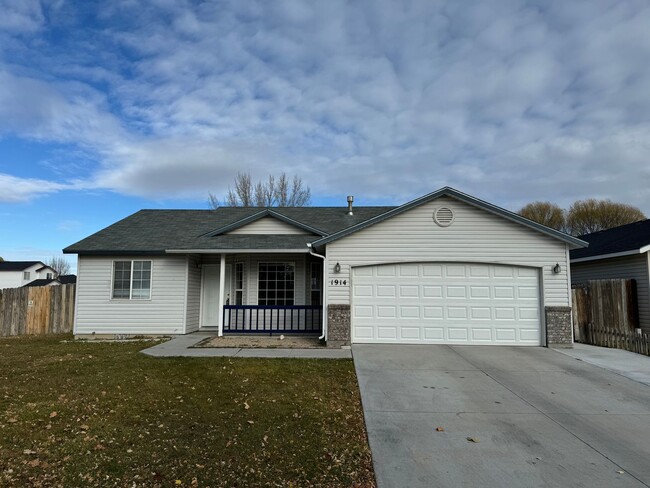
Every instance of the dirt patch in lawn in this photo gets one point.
(255, 342)
(79, 414)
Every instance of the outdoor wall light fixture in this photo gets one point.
(337, 268)
(557, 268)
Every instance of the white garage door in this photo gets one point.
(446, 303)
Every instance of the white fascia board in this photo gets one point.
(235, 251)
(612, 255)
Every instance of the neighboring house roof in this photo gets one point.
(162, 231)
(451, 192)
(41, 282)
(620, 241)
(17, 265)
(159, 231)
(67, 279)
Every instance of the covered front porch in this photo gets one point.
(255, 293)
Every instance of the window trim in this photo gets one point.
(27, 275)
(292, 264)
(319, 281)
(243, 279)
(130, 298)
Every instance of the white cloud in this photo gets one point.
(514, 100)
(14, 189)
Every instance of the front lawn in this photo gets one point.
(79, 414)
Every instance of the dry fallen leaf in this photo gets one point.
(473, 439)
(12, 420)
(246, 405)
(53, 414)
(440, 429)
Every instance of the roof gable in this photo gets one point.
(267, 213)
(451, 192)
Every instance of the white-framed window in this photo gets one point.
(316, 280)
(132, 280)
(239, 283)
(26, 275)
(276, 284)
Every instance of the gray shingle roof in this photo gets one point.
(629, 237)
(156, 231)
(17, 265)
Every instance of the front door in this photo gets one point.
(210, 297)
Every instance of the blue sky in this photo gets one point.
(109, 107)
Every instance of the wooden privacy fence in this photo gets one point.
(633, 341)
(37, 310)
(606, 304)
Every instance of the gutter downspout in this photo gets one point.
(311, 251)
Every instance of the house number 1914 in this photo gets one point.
(339, 282)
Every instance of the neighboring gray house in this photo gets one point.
(622, 252)
(446, 268)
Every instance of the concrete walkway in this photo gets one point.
(507, 416)
(181, 346)
(633, 366)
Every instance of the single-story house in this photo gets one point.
(14, 274)
(446, 268)
(619, 253)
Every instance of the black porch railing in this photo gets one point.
(272, 319)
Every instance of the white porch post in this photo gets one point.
(222, 286)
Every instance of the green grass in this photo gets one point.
(79, 414)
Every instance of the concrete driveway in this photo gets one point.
(540, 418)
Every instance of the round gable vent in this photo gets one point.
(443, 216)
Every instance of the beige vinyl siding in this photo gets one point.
(162, 314)
(269, 226)
(193, 306)
(627, 267)
(475, 236)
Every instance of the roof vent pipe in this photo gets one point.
(350, 200)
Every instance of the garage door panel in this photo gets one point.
(434, 334)
(456, 291)
(451, 303)
(457, 334)
(481, 335)
(433, 312)
(386, 291)
(363, 290)
(429, 291)
(479, 292)
(432, 270)
(409, 291)
(386, 311)
(456, 313)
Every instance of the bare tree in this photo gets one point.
(591, 215)
(546, 213)
(60, 265)
(274, 192)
